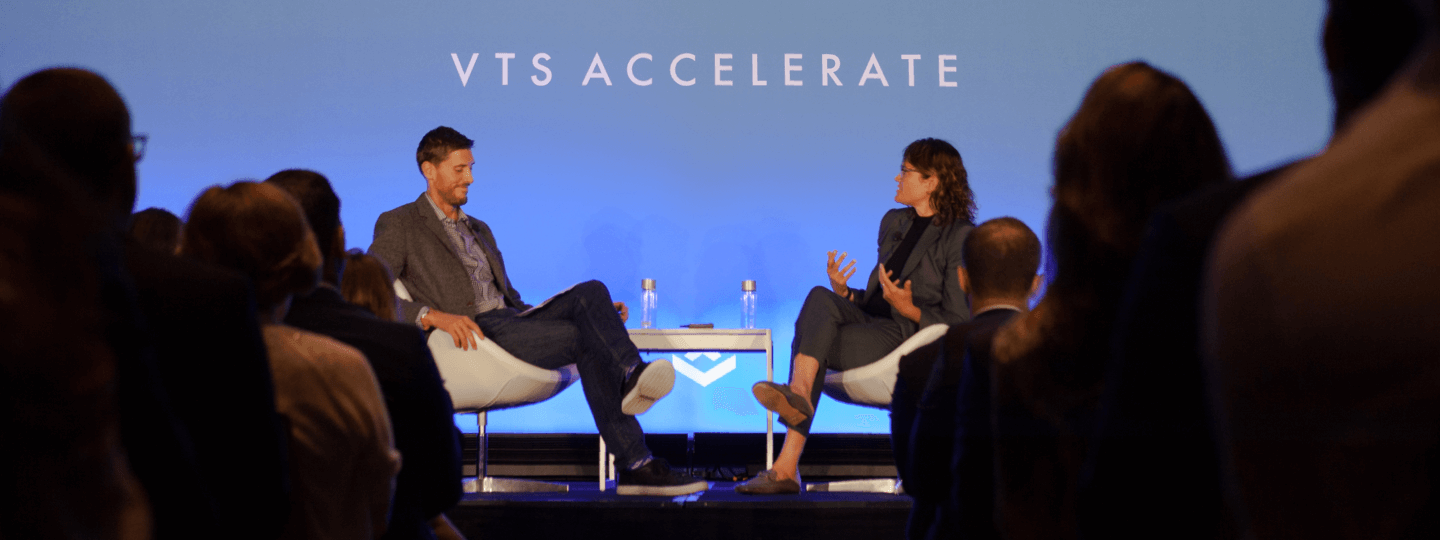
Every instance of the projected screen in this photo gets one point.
(695, 143)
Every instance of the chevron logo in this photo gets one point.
(686, 367)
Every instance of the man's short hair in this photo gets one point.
(317, 200)
(1001, 257)
(438, 143)
(1366, 42)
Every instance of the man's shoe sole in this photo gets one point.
(773, 399)
(662, 491)
(655, 383)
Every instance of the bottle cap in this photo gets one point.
(747, 285)
(647, 284)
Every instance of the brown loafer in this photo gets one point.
(767, 483)
(792, 408)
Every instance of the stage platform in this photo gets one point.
(722, 456)
(719, 512)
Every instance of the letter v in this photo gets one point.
(464, 73)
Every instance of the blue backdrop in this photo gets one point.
(697, 185)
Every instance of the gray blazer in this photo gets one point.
(930, 269)
(414, 244)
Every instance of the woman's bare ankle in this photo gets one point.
(787, 473)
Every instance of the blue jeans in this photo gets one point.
(579, 326)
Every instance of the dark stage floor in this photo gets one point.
(586, 512)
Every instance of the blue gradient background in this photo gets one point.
(698, 187)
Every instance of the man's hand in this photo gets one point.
(901, 298)
(838, 275)
(457, 326)
(624, 311)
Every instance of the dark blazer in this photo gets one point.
(419, 406)
(923, 417)
(413, 243)
(970, 510)
(930, 268)
(211, 359)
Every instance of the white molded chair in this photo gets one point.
(873, 385)
(486, 379)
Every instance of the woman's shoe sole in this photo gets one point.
(759, 486)
(771, 397)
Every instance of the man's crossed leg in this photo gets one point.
(580, 326)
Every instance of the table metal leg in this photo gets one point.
(769, 419)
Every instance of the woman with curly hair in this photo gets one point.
(914, 285)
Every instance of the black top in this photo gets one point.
(877, 306)
(415, 397)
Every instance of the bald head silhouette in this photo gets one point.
(77, 123)
(1001, 257)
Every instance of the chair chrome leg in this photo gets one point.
(868, 485)
(492, 484)
(483, 444)
(489, 484)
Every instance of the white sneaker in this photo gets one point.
(647, 384)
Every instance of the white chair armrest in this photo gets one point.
(873, 384)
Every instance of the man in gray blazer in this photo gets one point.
(451, 265)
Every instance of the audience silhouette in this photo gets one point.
(1155, 442)
(1210, 359)
(1139, 138)
(342, 458)
(368, 283)
(1320, 326)
(1000, 258)
(65, 472)
(202, 437)
(157, 229)
(415, 396)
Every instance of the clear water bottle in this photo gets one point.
(747, 303)
(647, 303)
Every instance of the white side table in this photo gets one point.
(706, 340)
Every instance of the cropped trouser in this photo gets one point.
(841, 336)
(580, 327)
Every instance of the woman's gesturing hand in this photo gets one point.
(900, 297)
(838, 275)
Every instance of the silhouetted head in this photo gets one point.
(258, 230)
(322, 210)
(1366, 42)
(81, 126)
(156, 228)
(1001, 258)
(951, 197)
(369, 284)
(1139, 138)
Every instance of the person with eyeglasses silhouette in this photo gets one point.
(202, 437)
